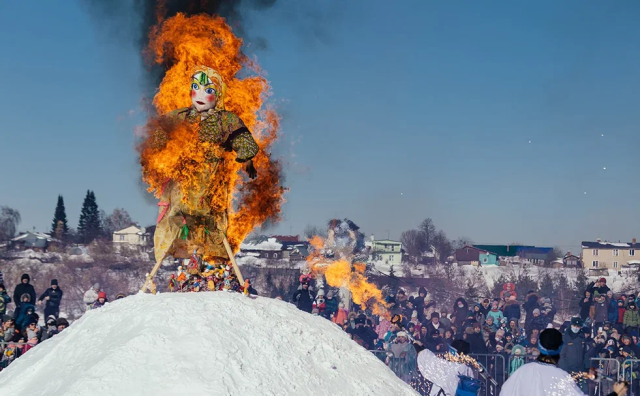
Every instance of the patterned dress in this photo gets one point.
(205, 226)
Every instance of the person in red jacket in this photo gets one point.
(621, 311)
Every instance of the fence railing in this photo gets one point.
(494, 365)
(408, 372)
(631, 373)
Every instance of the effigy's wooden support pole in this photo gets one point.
(232, 258)
(151, 275)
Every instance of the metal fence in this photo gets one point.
(631, 373)
(494, 365)
(408, 372)
(5, 360)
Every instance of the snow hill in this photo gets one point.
(199, 344)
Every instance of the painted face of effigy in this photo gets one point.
(206, 89)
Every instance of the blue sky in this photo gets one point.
(390, 115)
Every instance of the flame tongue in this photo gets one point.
(185, 42)
(341, 273)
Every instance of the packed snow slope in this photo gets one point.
(199, 344)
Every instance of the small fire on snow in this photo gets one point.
(341, 273)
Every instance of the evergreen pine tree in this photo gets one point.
(546, 285)
(89, 227)
(60, 215)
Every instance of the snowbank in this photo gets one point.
(200, 344)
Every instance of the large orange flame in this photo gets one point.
(181, 43)
(341, 273)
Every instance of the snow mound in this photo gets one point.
(200, 344)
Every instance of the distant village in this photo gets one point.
(600, 258)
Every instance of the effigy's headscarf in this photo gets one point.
(210, 76)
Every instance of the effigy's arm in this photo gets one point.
(242, 142)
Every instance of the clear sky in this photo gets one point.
(486, 116)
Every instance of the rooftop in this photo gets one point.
(609, 245)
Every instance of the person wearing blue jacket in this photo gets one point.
(26, 310)
(612, 308)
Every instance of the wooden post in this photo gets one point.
(232, 258)
(151, 275)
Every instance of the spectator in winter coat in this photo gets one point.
(444, 319)
(512, 309)
(50, 330)
(538, 322)
(319, 303)
(434, 325)
(9, 331)
(23, 288)
(52, 297)
(515, 331)
(495, 313)
(628, 341)
(599, 286)
(475, 339)
(460, 311)
(303, 298)
(548, 310)
(599, 311)
(621, 311)
(485, 307)
(530, 304)
(477, 313)
(102, 299)
(517, 358)
(585, 305)
(4, 300)
(341, 316)
(612, 308)
(631, 320)
(419, 302)
(573, 351)
(90, 296)
(490, 326)
(383, 327)
(331, 304)
(26, 310)
(62, 324)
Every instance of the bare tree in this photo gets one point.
(443, 245)
(429, 232)
(462, 242)
(116, 221)
(413, 242)
(9, 220)
(556, 253)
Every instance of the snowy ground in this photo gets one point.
(200, 344)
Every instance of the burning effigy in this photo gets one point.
(212, 127)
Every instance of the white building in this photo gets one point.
(134, 235)
(385, 250)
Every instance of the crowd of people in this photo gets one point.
(607, 326)
(22, 329)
